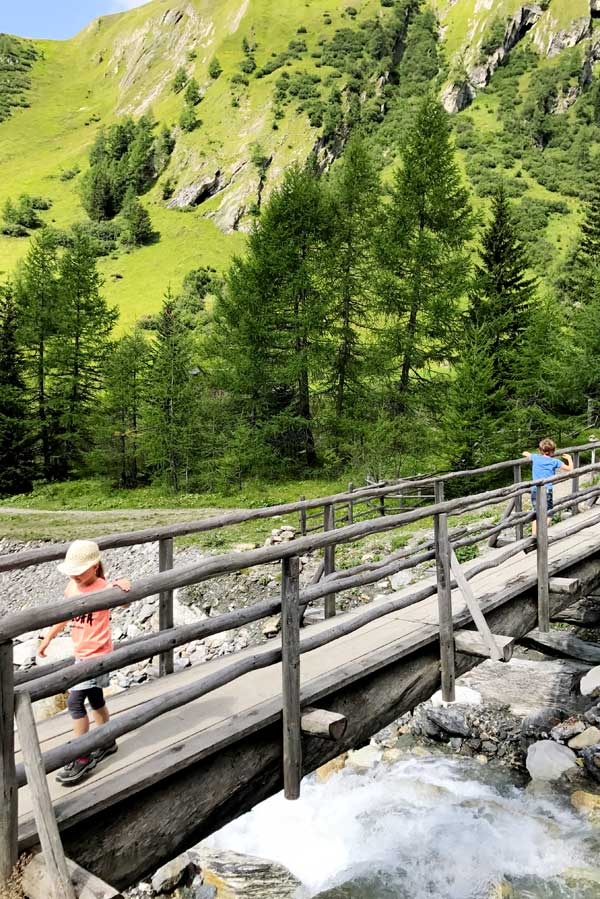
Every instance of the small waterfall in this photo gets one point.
(423, 828)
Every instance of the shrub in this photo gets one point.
(69, 174)
(188, 120)
(180, 80)
(192, 92)
(214, 69)
(248, 65)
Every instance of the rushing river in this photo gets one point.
(425, 828)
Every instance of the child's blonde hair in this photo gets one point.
(547, 446)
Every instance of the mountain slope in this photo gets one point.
(280, 67)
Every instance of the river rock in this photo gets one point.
(588, 803)
(183, 868)
(326, 771)
(364, 759)
(591, 761)
(575, 877)
(589, 737)
(448, 721)
(245, 876)
(592, 716)
(547, 760)
(540, 723)
(568, 729)
(590, 683)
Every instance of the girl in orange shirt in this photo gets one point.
(91, 638)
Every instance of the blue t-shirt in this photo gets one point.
(544, 467)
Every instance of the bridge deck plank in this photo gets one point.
(220, 718)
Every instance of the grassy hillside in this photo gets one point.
(125, 64)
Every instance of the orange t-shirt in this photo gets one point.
(90, 632)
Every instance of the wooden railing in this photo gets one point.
(294, 598)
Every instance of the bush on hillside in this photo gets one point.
(214, 69)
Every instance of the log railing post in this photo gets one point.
(518, 507)
(350, 504)
(541, 510)
(290, 672)
(165, 603)
(302, 515)
(329, 556)
(575, 483)
(444, 595)
(8, 778)
(381, 506)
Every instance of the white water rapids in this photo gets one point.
(424, 828)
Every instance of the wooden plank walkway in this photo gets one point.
(198, 730)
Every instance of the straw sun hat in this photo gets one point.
(81, 555)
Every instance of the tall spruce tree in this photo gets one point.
(271, 317)
(79, 357)
(16, 463)
(170, 419)
(120, 420)
(38, 303)
(350, 272)
(502, 290)
(424, 250)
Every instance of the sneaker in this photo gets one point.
(99, 754)
(76, 771)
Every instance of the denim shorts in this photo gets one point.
(549, 497)
(102, 680)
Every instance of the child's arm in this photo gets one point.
(527, 455)
(52, 633)
(124, 584)
(569, 466)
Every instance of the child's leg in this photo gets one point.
(99, 709)
(76, 707)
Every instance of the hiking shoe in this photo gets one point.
(76, 771)
(98, 754)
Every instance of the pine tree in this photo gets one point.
(170, 402)
(120, 420)
(271, 317)
(16, 462)
(424, 249)
(188, 120)
(38, 307)
(502, 291)
(136, 227)
(192, 93)
(79, 357)
(350, 271)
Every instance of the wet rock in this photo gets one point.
(590, 683)
(540, 723)
(364, 759)
(567, 729)
(547, 760)
(591, 760)
(237, 875)
(326, 771)
(448, 721)
(182, 869)
(581, 877)
(588, 803)
(592, 716)
(589, 737)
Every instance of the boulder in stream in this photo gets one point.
(547, 760)
(245, 876)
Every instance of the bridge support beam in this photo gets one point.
(443, 554)
(290, 672)
(541, 505)
(8, 778)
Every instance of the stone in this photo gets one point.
(392, 755)
(173, 873)
(272, 626)
(245, 876)
(568, 729)
(455, 744)
(145, 613)
(361, 760)
(326, 771)
(490, 747)
(589, 737)
(206, 891)
(540, 723)
(448, 721)
(575, 877)
(588, 803)
(592, 716)
(591, 760)
(548, 760)
(590, 683)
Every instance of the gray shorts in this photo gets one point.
(101, 681)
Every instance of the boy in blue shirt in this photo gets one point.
(544, 465)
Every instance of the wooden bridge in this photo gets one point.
(201, 746)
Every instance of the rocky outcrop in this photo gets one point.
(550, 43)
(196, 193)
(238, 875)
(460, 94)
(595, 8)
